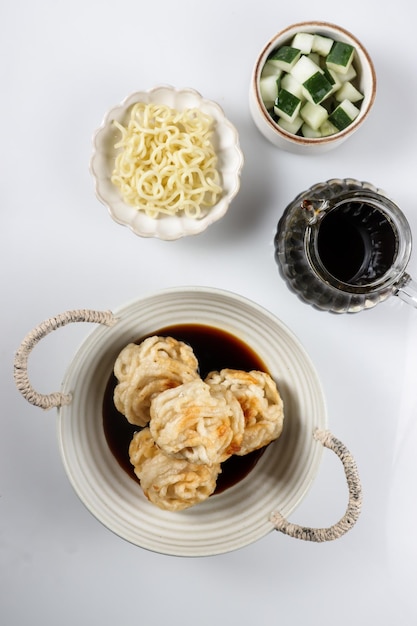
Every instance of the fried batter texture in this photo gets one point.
(169, 483)
(197, 423)
(145, 370)
(260, 401)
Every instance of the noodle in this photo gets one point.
(167, 163)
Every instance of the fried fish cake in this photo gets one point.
(146, 369)
(169, 483)
(260, 401)
(196, 422)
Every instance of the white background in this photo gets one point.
(63, 64)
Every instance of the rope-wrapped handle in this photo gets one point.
(47, 401)
(354, 505)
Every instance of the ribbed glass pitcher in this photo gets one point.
(343, 246)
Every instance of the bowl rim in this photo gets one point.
(260, 61)
(142, 225)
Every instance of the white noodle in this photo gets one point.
(167, 163)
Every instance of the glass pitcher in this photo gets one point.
(343, 246)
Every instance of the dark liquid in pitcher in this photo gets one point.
(215, 349)
(356, 243)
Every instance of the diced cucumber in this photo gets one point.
(270, 69)
(313, 114)
(287, 105)
(268, 87)
(344, 114)
(292, 85)
(322, 45)
(316, 58)
(340, 57)
(349, 76)
(309, 86)
(327, 129)
(303, 41)
(291, 127)
(317, 88)
(304, 68)
(333, 78)
(310, 133)
(285, 57)
(348, 92)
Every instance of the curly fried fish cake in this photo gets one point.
(197, 423)
(169, 483)
(146, 369)
(260, 401)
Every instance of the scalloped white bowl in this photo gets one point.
(226, 144)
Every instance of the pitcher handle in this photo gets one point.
(354, 505)
(407, 290)
(56, 399)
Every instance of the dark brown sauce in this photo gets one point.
(215, 349)
(356, 243)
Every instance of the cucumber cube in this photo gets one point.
(317, 88)
(348, 91)
(268, 87)
(270, 69)
(291, 127)
(322, 45)
(310, 133)
(287, 105)
(327, 128)
(313, 56)
(289, 83)
(350, 74)
(344, 114)
(313, 114)
(303, 41)
(340, 57)
(304, 69)
(333, 78)
(285, 57)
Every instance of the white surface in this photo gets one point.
(63, 65)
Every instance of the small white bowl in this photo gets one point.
(225, 142)
(295, 143)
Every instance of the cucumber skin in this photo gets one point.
(340, 54)
(285, 54)
(287, 102)
(318, 86)
(340, 118)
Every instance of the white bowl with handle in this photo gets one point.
(241, 514)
